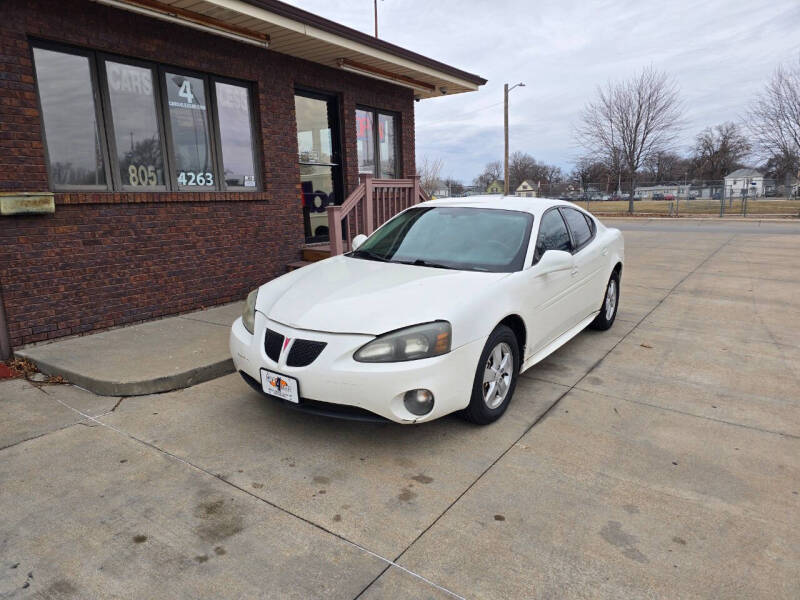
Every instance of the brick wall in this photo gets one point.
(106, 259)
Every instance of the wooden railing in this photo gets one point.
(371, 204)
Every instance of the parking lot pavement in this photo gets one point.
(658, 459)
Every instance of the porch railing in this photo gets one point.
(371, 204)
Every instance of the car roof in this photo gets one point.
(535, 206)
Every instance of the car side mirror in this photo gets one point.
(553, 261)
(358, 240)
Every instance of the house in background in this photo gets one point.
(496, 187)
(526, 189)
(743, 182)
(182, 153)
(659, 192)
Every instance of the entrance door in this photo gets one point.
(319, 158)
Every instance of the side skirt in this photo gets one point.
(557, 343)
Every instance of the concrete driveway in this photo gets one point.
(660, 459)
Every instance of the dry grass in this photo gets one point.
(776, 207)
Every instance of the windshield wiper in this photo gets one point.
(368, 255)
(424, 263)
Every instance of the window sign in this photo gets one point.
(74, 144)
(188, 116)
(236, 135)
(136, 132)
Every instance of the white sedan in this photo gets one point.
(439, 310)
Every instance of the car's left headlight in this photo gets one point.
(249, 311)
(410, 343)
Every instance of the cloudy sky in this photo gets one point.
(720, 52)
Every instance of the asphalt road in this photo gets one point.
(659, 459)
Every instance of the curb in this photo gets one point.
(142, 387)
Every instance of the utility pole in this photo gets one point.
(506, 90)
(376, 18)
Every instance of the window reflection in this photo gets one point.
(70, 118)
(188, 116)
(233, 110)
(133, 109)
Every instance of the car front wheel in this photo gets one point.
(495, 377)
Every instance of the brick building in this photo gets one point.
(182, 152)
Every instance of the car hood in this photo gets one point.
(351, 295)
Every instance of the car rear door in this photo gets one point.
(589, 272)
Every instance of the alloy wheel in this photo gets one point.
(497, 375)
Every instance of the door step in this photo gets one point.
(315, 252)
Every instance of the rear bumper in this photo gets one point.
(336, 385)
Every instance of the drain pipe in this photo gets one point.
(5, 345)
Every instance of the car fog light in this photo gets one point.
(418, 402)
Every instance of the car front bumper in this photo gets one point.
(335, 378)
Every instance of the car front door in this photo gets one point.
(589, 279)
(548, 305)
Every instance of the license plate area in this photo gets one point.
(280, 386)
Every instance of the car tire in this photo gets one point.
(485, 407)
(608, 312)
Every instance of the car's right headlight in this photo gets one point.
(249, 311)
(410, 343)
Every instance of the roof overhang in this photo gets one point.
(289, 30)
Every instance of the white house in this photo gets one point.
(658, 192)
(744, 179)
(526, 189)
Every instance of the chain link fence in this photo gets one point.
(739, 197)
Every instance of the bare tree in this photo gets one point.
(631, 121)
(493, 171)
(429, 171)
(774, 119)
(719, 150)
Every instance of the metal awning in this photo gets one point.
(289, 30)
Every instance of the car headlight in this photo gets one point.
(249, 312)
(410, 343)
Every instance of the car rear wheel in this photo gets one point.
(608, 311)
(495, 377)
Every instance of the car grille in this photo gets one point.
(272, 344)
(304, 352)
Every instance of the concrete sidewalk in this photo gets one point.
(148, 358)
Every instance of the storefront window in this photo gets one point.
(131, 95)
(365, 137)
(236, 135)
(388, 145)
(191, 139)
(376, 135)
(69, 112)
(158, 128)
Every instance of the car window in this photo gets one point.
(578, 225)
(553, 235)
(465, 238)
(590, 222)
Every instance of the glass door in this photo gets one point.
(319, 158)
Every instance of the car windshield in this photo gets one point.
(463, 238)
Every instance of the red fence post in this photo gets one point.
(415, 199)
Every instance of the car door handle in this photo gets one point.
(605, 251)
(574, 272)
